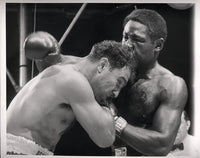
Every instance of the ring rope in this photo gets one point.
(34, 28)
(72, 24)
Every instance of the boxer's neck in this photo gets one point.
(86, 67)
(144, 70)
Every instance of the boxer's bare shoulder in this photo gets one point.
(64, 78)
(148, 93)
(69, 59)
(173, 89)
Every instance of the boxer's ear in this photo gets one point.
(158, 44)
(188, 124)
(103, 64)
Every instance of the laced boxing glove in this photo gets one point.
(40, 44)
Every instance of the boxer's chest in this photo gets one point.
(144, 100)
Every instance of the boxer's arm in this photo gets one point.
(159, 139)
(97, 121)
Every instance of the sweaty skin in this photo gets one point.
(49, 103)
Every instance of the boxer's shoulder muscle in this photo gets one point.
(78, 87)
(146, 95)
(69, 59)
(173, 90)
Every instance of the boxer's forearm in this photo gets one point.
(146, 141)
(99, 125)
(108, 128)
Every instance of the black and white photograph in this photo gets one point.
(99, 78)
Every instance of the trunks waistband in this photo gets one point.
(21, 145)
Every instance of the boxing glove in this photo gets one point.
(39, 45)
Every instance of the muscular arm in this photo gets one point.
(159, 139)
(96, 120)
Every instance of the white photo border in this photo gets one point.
(196, 59)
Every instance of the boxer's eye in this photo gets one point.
(137, 38)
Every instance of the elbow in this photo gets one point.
(160, 147)
(162, 151)
(110, 140)
(164, 145)
(107, 141)
(159, 151)
(105, 144)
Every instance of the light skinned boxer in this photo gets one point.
(48, 104)
(153, 104)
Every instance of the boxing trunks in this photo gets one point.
(17, 145)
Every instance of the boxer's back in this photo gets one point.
(38, 111)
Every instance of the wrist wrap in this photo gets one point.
(120, 124)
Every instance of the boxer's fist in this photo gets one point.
(39, 45)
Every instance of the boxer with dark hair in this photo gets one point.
(153, 104)
(49, 103)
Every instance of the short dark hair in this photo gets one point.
(117, 54)
(155, 23)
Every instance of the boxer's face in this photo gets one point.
(136, 35)
(108, 83)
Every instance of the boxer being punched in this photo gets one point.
(48, 104)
